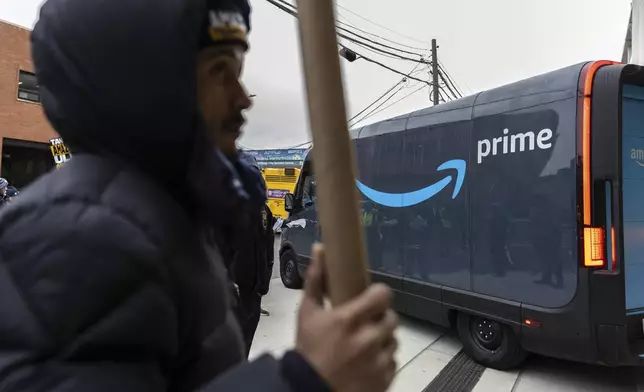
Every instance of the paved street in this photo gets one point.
(426, 350)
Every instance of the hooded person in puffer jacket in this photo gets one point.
(111, 271)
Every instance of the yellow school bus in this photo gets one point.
(281, 170)
(279, 182)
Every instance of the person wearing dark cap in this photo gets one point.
(252, 263)
(112, 277)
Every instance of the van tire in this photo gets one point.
(490, 343)
(289, 272)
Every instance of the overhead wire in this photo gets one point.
(440, 93)
(455, 90)
(359, 41)
(292, 10)
(449, 83)
(403, 80)
(391, 104)
(293, 13)
(349, 23)
(353, 26)
(377, 107)
(384, 66)
(376, 42)
(455, 95)
(451, 79)
(379, 25)
(376, 101)
(383, 53)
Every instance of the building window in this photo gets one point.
(28, 87)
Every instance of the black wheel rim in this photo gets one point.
(486, 333)
(289, 268)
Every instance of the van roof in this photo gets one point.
(549, 87)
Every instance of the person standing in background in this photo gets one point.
(252, 263)
(4, 184)
(268, 221)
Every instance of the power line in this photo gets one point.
(449, 79)
(284, 6)
(381, 26)
(378, 107)
(440, 93)
(292, 10)
(452, 80)
(382, 51)
(374, 102)
(449, 83)
(383, 66)
(390, 105)
(294, 14)
(379, 53)
(440, 73)
(421, 60)
(354, 27)
(378, 36)
(403, 80)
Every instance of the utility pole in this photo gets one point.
(436, 97)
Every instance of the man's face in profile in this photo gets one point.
(222, 97)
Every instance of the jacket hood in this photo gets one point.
(118, 78)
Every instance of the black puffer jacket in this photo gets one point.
(110, 279)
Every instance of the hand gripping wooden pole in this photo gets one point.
(337, 197)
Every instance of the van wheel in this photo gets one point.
(489, 342)
(289, 272)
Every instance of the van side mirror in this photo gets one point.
(289, 202)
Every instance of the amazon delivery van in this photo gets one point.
(515, 216)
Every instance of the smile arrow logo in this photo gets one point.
(408, 199)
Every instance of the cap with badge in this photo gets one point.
(227, 22)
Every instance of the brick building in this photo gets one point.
(24, 130)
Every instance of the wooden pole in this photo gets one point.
(436, 100)
(333, 160)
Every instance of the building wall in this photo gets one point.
(18, 119)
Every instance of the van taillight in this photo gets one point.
(594, 247)
(612, 247)
(594, 237)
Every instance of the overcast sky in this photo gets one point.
(483, 44)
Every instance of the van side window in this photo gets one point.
(308, 194)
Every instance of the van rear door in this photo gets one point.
(633, 195)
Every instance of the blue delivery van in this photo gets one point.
(515, 216)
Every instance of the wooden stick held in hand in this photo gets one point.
(337, 197)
